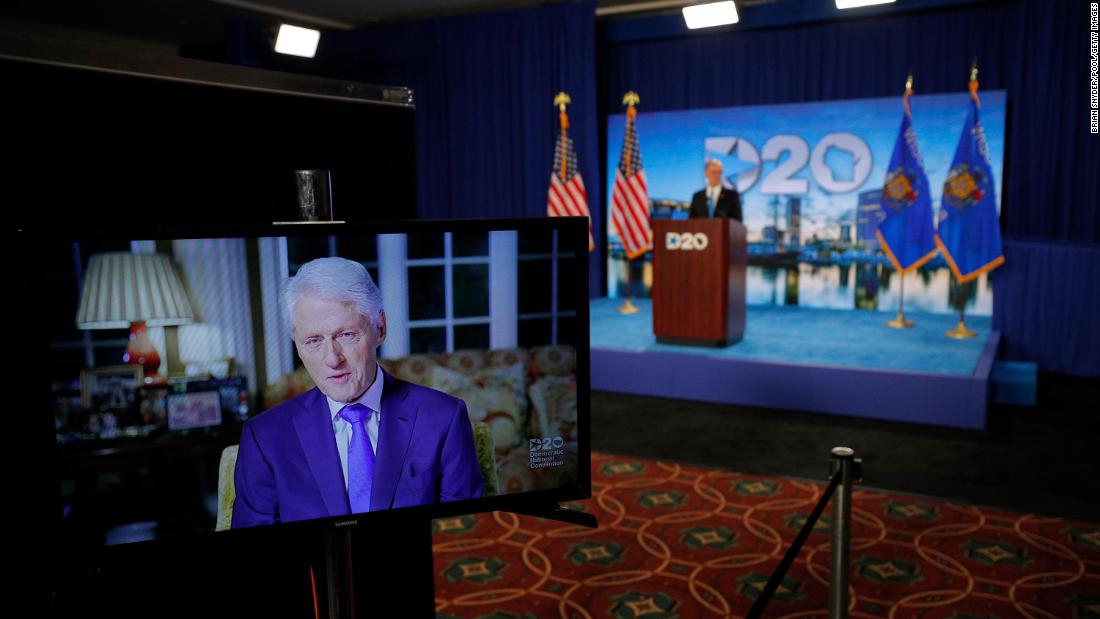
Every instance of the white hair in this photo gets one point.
(334, 279)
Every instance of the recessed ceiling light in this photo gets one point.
(297, 41)
(712, 14)
(851, 4)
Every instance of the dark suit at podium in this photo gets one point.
(729, 204)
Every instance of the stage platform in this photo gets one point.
(831, 361)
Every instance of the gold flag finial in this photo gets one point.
(908, 93)
(562, 100)
(974, 81)
(631, 99)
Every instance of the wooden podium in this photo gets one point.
(699, 281)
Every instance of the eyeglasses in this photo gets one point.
(314, 343)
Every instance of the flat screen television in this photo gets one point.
(225, 419)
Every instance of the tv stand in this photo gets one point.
(559, 513)
(382, 570)
(386, 569)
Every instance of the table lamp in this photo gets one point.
(136, 291)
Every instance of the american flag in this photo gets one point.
(567, 197)
(629, 199)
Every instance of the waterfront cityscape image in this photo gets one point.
(810, 177)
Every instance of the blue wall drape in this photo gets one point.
(1048, 296)
(484, 86)
(1037, 50)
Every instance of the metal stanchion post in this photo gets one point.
(843, 460)
(846, 468)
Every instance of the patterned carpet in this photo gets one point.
(680, 541)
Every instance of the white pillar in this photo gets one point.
(448, 292)
(503, 289)
(393, 281)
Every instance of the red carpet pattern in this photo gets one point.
(681, 541)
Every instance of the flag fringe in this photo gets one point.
(962, 279)
(897, 263)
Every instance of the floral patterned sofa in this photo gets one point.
(517, 393)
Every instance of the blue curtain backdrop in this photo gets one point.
(1037, 50)
(1051, 303)
(484, 87)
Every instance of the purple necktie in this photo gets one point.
(360, 457)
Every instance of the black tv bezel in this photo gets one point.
(27, 238)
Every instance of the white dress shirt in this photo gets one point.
(372, 399)
(712, 199)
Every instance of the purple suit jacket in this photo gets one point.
(288, 467)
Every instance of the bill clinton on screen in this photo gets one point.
(361, 440)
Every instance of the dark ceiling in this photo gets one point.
(178, 24)
(196, 23)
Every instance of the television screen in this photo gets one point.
(211, 380)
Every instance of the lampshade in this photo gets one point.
(122, 288)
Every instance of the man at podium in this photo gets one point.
(715, 200)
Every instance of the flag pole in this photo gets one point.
(628, 307)
(566, 196)
(562, 100)
(899, 321)
(629, 100)
(961, 331)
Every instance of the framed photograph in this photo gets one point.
(232, 391)
(196, 409)
(110, 388)
(152, 407)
